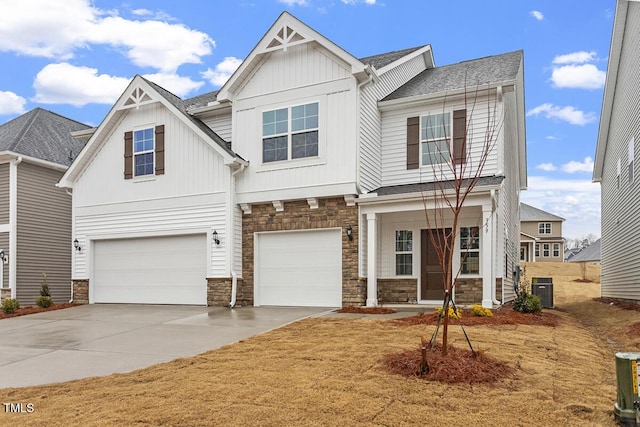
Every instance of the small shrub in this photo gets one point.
(44, 301)
(478, 310)
(44, 287)
(527, 303)
(10, 305)
(452, 314)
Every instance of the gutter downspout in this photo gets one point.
(73, 264)
(234, 276)
(13, 221)
(494, 227)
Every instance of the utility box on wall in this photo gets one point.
(626, 410)
(542, 287)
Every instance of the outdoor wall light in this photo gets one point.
(2, 256)
(350, 233)
(215, 237)
(76, 245)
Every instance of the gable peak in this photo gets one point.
(285, 37)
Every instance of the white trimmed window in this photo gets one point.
(537, 250)
(435, 133)
(143, 152)
(469, 250)
(404, 253)
(290, 133)
(556, 250)
(546, 250)
(544, 228)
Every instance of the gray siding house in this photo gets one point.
(540, 235)
(614, 168)
(35, 216)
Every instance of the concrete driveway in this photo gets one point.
(93, 340)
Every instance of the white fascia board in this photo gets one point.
(615, 51)
(6, 156)
(425, 51)
(450, 96)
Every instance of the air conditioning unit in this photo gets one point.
(543, 288)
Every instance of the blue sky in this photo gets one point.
(76, 57)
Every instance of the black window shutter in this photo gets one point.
(413, 142)
(460, 136)
(160, 150)
(128, 155)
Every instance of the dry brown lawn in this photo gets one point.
(329, 372)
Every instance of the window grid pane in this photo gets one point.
(470, 264)
(275, 122)
(274, 149)
(404, 256)
(144, 164)
(304, 144)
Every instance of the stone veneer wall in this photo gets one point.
(219, 290)
(5, 293)
(297, 215)
(397, 291)
(468, 291)
(81, 291)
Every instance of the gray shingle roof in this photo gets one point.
(490, 69)
(590, 253)
(383, 59)
(201, 100)
(43, 135)
(430, 186)
(529, 213)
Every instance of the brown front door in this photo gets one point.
(431, 277)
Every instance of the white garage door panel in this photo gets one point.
(300, 268)
(158, 270)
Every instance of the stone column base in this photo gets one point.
(5, 293)
(80, 291)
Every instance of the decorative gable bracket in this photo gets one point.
(284, 39)
(136, 98)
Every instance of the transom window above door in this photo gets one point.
(290, 133)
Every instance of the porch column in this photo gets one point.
(372, 260)
(488, 281)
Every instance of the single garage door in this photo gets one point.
(155, 270)
(299, 268)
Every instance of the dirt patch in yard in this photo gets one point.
(365, 310)
(503, 316)
(35, 309)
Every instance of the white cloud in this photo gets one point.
(575, 58)
(549, 167)
(64, 83)
(584, 76)
(352, 2)
(294, 2)
(222, 72)
(58, 29)
(568, 114)
(178, 85)
(574, 166)
(10, 103)
(551, 138)
(578, 201)
(537, 15)
(576, 71)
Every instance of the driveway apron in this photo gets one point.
(101, 339)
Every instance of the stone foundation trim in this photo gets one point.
(80, 291)
(397, 291)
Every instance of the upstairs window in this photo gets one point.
(435, 133)
(143, 152)
(290, 133)
(469, 250)
(544, 228)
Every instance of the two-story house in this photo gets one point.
(540, 235)
(305, 180)
(614, 166)
(35, 217)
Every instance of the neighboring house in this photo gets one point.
(540, 235)
(303, 181)
(35, 216)
(615, 164)
(589, 254)
(570, 253)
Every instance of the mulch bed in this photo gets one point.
(35, 309)
(501, 316)
(458, 366)
(365, 310)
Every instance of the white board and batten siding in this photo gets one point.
(394, 141)
(620, 206)
(299, 268)
(301, 75)
(370, 120)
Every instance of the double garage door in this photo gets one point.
(156, 270)
(299, 268)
